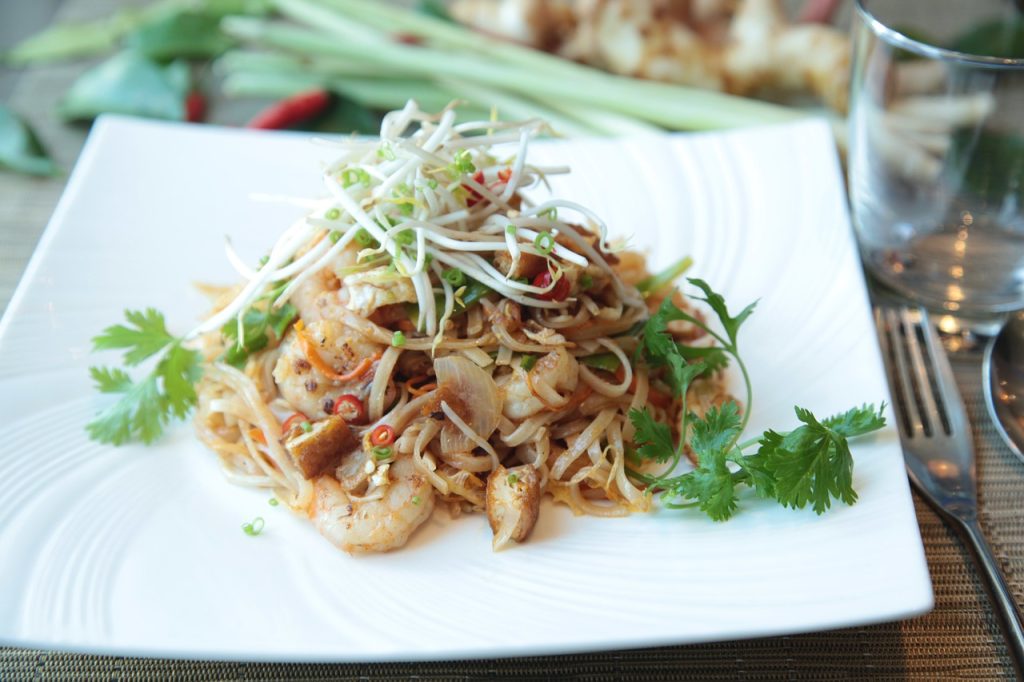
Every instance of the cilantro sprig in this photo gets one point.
(145, 407)
(810, 465)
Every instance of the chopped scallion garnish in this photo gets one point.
(332, 214)
(586, 281)
(528, 362)
(382, 452)
(254, 527)
(454, 276)
(513, 479)
(334, 236)
(544, 242)
(306, 426)
(398, 339)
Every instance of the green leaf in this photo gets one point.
(812, 464)
(997, 38)
(434, 8)
(711, 485)
(129, 83)
(146, 336)
(717, 431)
(145, 407)
(180, 370)
(139, 413)
(110, 380)
(658, 344)
(186, 35)
(20, 149)
(857, 421)
(681, 374)
(730, 324)
(653, 437)
(713, 357)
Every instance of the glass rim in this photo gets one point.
(898, 39)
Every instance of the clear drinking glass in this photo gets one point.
(936, 164)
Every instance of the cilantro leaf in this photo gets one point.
(811, 464)
(730, 324)
(713, 357)
(110, 380)
(145, 407)
(710, 484)
(857, 421)
(653, 437)
(148, 337)
(681, 374)
(717, 431)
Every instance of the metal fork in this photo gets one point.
(938, 447)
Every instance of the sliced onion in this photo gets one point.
(479, 400)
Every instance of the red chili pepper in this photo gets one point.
(292, 422)
(195, 107)
(505, 174)
(350, 408)
(289, 112)
(474, 196)
(383, 435)
(559, 292)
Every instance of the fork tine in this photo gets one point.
(923, 366)
(899, 376)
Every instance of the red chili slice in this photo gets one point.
(195, 107)
(350, 408)
(474, 196)
(383, 435)
(559, 292)
(293, 421)
(291, 111)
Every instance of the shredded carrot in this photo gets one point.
(422, 390)
(257, 435)
(311, 353)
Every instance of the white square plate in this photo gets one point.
(137, 550)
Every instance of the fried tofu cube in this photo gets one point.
(513, 503)
(322, 447)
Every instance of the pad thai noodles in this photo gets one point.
(430, 337)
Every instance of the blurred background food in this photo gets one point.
(590, 67)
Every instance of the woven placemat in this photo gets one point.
(958, 640)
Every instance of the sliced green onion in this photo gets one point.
(586, 281)
(528, 362)
(454, 276)
(510, 229)
(416, 499)
(306, 426)
(381, 452)
(608, 362)
(550, 214)
(352, 176)
(332, 214)
(273, 502)
(398, 339)
(404, 238)
(544, 242)
(513, 479)
(659, 281)
(334, 236)
(254, 527)
(386, 152)
(432, 183)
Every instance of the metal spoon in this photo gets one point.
(1004, 379)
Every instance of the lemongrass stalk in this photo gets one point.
(667, 105)
(603, 121)
(275, 61)
(510, 106)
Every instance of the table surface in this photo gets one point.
(959, 639)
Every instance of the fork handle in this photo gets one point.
(1002, 598)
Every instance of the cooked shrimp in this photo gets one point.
(527, 393)
(304, 385)
(374, 525)
(317, 298)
